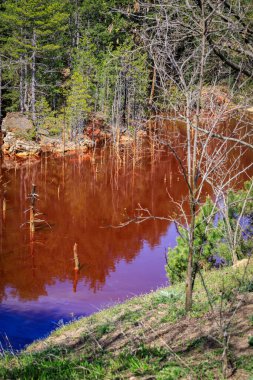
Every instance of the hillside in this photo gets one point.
(150, 337)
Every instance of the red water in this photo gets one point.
(79, 201)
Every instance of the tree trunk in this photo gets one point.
(1, 101)
(76, 25)
(77, 18)
(151, 97)
(1, 115)
(193, 168)
(227, 363)
(124, 113)
(32, 209)
(188, 291)
(190, 270)
(21, 86)
(234, 256)
(33, 83)
(26, 105)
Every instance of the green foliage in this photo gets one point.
(124, 81)
(172, 372)
(239, 205)
(77, 106)
(53, 364)
(206, 236)
(102, 25)
(81, 51)
(246, 362)
(104, 329)
(169, 296)
(26, 135)
(46, 118)
(250, 341)
(131, 316)
(217, 233)
(173, 98)
(102, 40)
(33, 27)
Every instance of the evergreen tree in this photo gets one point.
(35, 46)
(77, 106)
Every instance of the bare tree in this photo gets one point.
(179, 37)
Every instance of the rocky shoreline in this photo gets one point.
(14, 146)
(18, 143)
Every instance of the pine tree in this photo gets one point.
(38, 34)
(77, 106)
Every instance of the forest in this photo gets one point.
(78, 57)
(126, 172)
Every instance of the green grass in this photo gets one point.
(51, 364)
(90, 359)
(246, 362)
(56, 364)
(250, 341)
(104, 329)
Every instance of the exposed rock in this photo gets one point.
(18, 147)
(49, 144)
(84, 145)
(17, 142)
(8, 143)
(69, 146)
(10, 138)
(55, 145)
(16, 122)
(27, 147)
(86, 141)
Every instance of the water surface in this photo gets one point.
(81, 200)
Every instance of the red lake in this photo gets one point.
(81, 201)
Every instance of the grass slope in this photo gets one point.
(150, 337)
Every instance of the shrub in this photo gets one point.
(212, 245)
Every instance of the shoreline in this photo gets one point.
(151, 330)
(17, 145)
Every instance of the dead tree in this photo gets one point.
(33, 197)
(176, 35)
